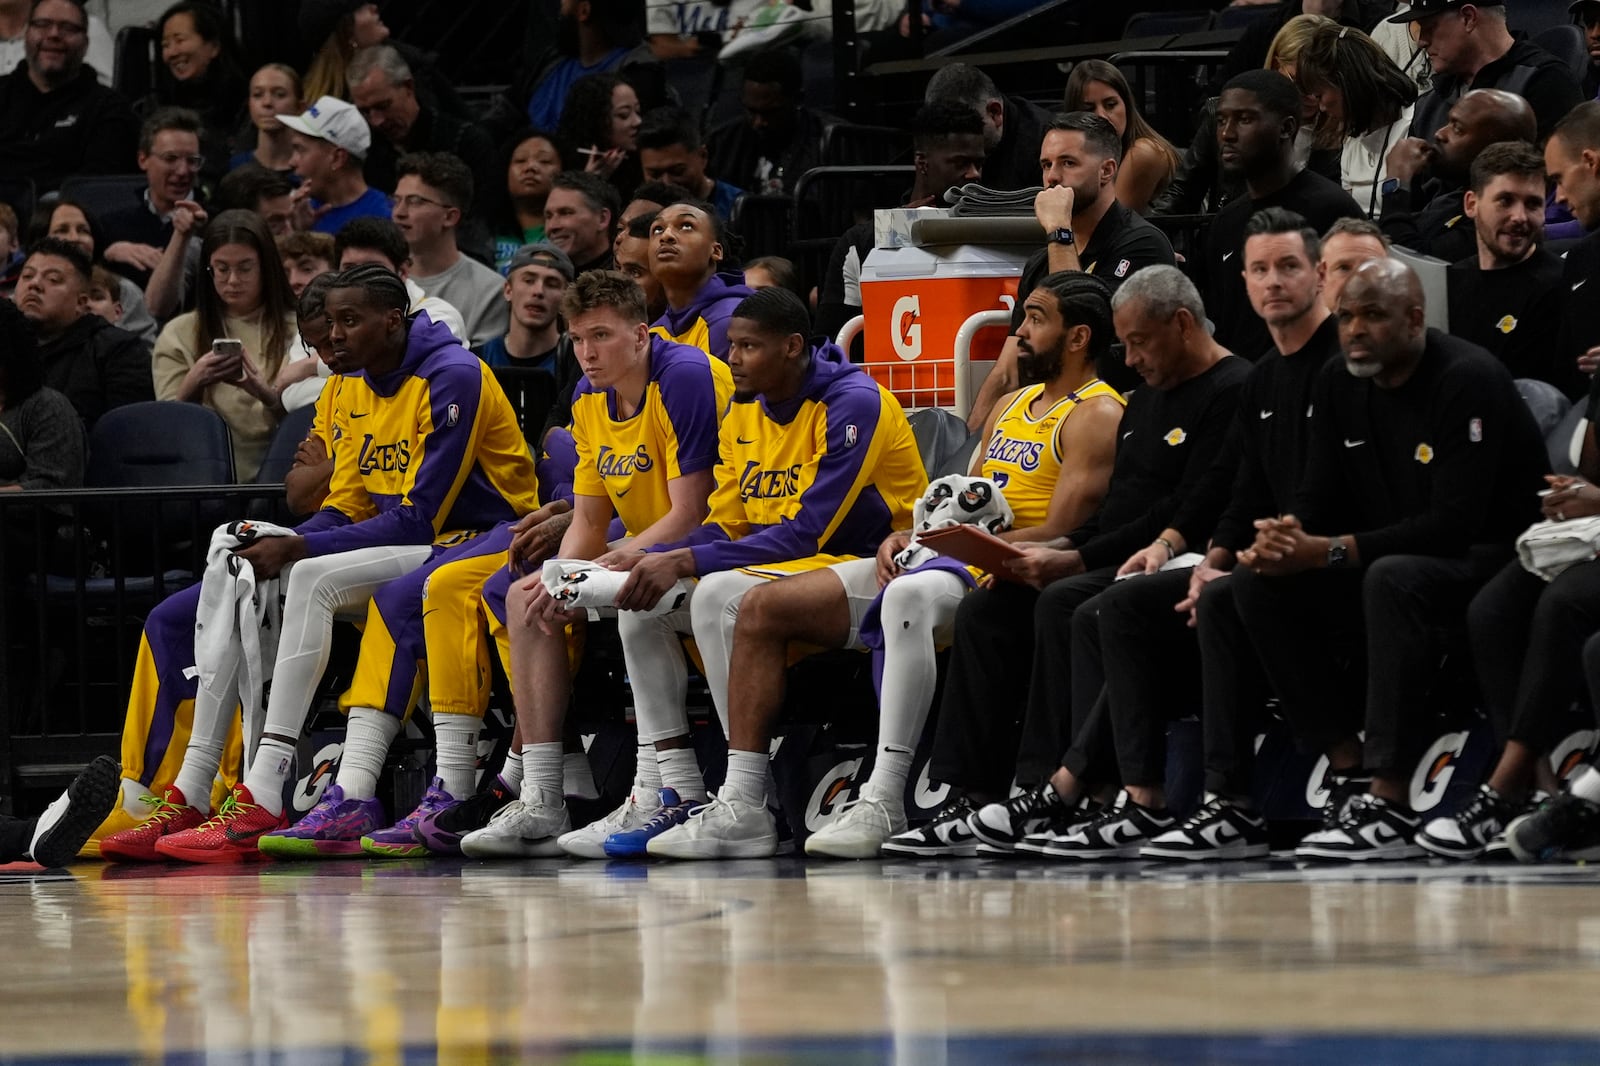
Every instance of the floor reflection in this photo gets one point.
(786, 962)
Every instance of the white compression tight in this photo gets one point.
(918, 613)
(653, 652)
(315, 590)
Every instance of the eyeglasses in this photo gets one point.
(47, 26)
(227, 270)
(412, 202)
(172, 159)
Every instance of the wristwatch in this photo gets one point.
(1338, 553)
(1061, 236)
(1390, 185)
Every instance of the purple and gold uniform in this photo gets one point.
(703, 323)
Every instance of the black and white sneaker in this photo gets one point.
(1342, 788)
(67, 824)
(1468, 832)
(1117, 832)
(1062, 820)
(1497, 851)
(1000, 826)
(1371, 828)
(1567, 828)
(1218, 830)
(948, 835)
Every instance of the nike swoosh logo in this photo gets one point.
(1220, 834)
(1128, 434)
(1123, 833)
(1265, 415)
(363, 414)
(1578, 285)
(1381, 834)
(623, 492)
(741, 440)
(1226, 256)
(1348, 443)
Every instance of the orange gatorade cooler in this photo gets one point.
(914, 301)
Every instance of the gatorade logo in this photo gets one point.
(834, 790)
(925, 795)
(906, 332)
(1572, 752)
(309, 789)
(1434, 772)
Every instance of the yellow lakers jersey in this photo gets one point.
(1023, 453)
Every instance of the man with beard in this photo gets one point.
(1429, 215)
(1258, 118)
(778, 139)
(1507, 299)
(1086, 230)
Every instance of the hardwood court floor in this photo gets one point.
(791, 962)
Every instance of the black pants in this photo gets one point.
(1009, 642)
(1395, 610)
(1528, 643)
(16, 835)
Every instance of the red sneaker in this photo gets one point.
(172, 815)
(230, 835)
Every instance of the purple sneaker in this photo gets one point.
(331, 830)
(399, 841)
(441, 831)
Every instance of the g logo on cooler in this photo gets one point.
(905, 332)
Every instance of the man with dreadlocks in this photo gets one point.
(437, 457)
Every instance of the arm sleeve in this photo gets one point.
(689, 396)
(448, 455)
(1114, 546)
(1464, 470)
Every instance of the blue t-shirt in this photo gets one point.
(372, 204)
(550, 95)
(723, 197)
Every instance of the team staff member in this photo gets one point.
(1572, 159)
(644, 420)
(1172, 430)
(685, 250)
(1422, 469)
(817, 465)
(1086, 229)
(1134, 623)
(439, 455)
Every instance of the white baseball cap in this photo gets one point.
(331, 119)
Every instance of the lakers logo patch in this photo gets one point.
(1506, 324)
(1175, 437)
(1424, 454)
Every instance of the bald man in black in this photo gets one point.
(1423, 467)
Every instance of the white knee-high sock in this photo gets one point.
(456, 752)
(646, 775)
(367, 739)
(915, 606)
(511, 771)
(203, 757)
(747, 777)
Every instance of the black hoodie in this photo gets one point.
(98, 367)
(80, 128)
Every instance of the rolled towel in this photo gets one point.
(581, 584)
(955, 500)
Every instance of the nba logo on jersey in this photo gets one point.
(1475, 431)
(850, 436)
(1122, 268)
(452, 414)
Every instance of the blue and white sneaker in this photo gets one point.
(634, 843)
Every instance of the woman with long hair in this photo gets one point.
(199, 71)
(598, 131)
(70, 220)
(335, 31)
(245, 299)
(1148, 159)
(530, 161)
(1364, 105)
(275, 90)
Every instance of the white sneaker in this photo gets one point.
(721, 829)
(519, 830)
(859, 831)
(589, 841)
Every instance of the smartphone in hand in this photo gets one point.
(230, 348)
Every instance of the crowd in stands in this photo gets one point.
(1241, 471)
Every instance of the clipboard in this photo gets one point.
(975, 547)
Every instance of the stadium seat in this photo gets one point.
(133, 70)
(1546, 403)
(939, 434)
(1237, 18)
(1567, 44)
(1160, 23)
(1535, 16)
(21, 196)
(102, 194)
(1565, 441)
(286, 439)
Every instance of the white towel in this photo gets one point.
(1547, 548)
(238, 620)
(581, 584)
(955, 500)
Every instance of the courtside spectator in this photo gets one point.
(330, 142)
(672, 150)
(1507, 298)
(72, 222)
(1471, 47)
(1148, 159)
(56, 119)
(778, 138)
(1012, 127)
(1258, 119)
(42, 442)
(200, 72)
(433, 196)
(1587, 14)
(14, 17)
(305, 256)
(587, 37)
(1425, 193)
(105, 294)
(252, 187)
(275, 91)
(335, 30)
(93, 363)
(535, 282)
(515, 206)
(599, 131)
(384, 90)
(379, 241)
(139, 233)
(632, 252)
(772, 272)
(580, 217)
(1348, 243)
